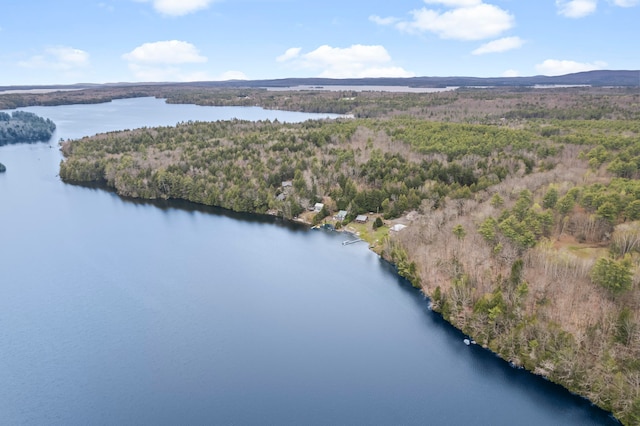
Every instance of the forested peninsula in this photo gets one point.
(522, 206)
(22, 126)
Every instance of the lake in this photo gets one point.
(116, 311)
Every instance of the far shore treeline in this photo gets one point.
(524, 224)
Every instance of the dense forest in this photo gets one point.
(21, 126)
(522, 206)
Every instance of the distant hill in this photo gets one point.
(592, 78)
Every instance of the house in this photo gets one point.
(281, 197)
(362, 218)
(341, 215)
(287, 184)
(397, 227)
(317, 207)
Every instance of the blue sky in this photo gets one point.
(74, 41)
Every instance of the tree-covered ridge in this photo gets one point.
(22, 126)
(359, 165)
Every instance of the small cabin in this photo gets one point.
(341, 215)
(317, 207)
(362, 218)
(287, 184)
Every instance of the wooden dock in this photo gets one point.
(348, 242)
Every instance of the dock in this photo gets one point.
(348, 242)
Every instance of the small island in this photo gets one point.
(22, 126)
(2, 168)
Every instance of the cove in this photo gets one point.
(116, 311)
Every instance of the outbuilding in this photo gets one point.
(397, 227)
(362, 218)
(341, 215)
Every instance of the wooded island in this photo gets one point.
(525, 205)
(22, 126)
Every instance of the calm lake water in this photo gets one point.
(119, 312)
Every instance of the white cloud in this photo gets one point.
(165, 52)
(561, 67)
(576, 8)
(178, 7)
(455, 3)
(166, 61)
(511, 73)
(291, 53)
(383, 21)
(60, 58)
(476, 21)
(625, 3)
(500, 45)
(357, 61)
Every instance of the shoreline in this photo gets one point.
(274, 218)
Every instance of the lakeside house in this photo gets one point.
(341, 215)
(362, 218)
(317, 207)
(287, 184)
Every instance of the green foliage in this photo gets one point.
(597, 156)
(377, 223)
(612, 275)
(488, 229)
(618, 200)
(516, 272)
(632, 211)
(607, 211)
(497, 201)
(565, 204)
(550, 198)
(626, 328)
(493, 305)
(406, 268)
(523, 225)
(459, 232)
(456, 140)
